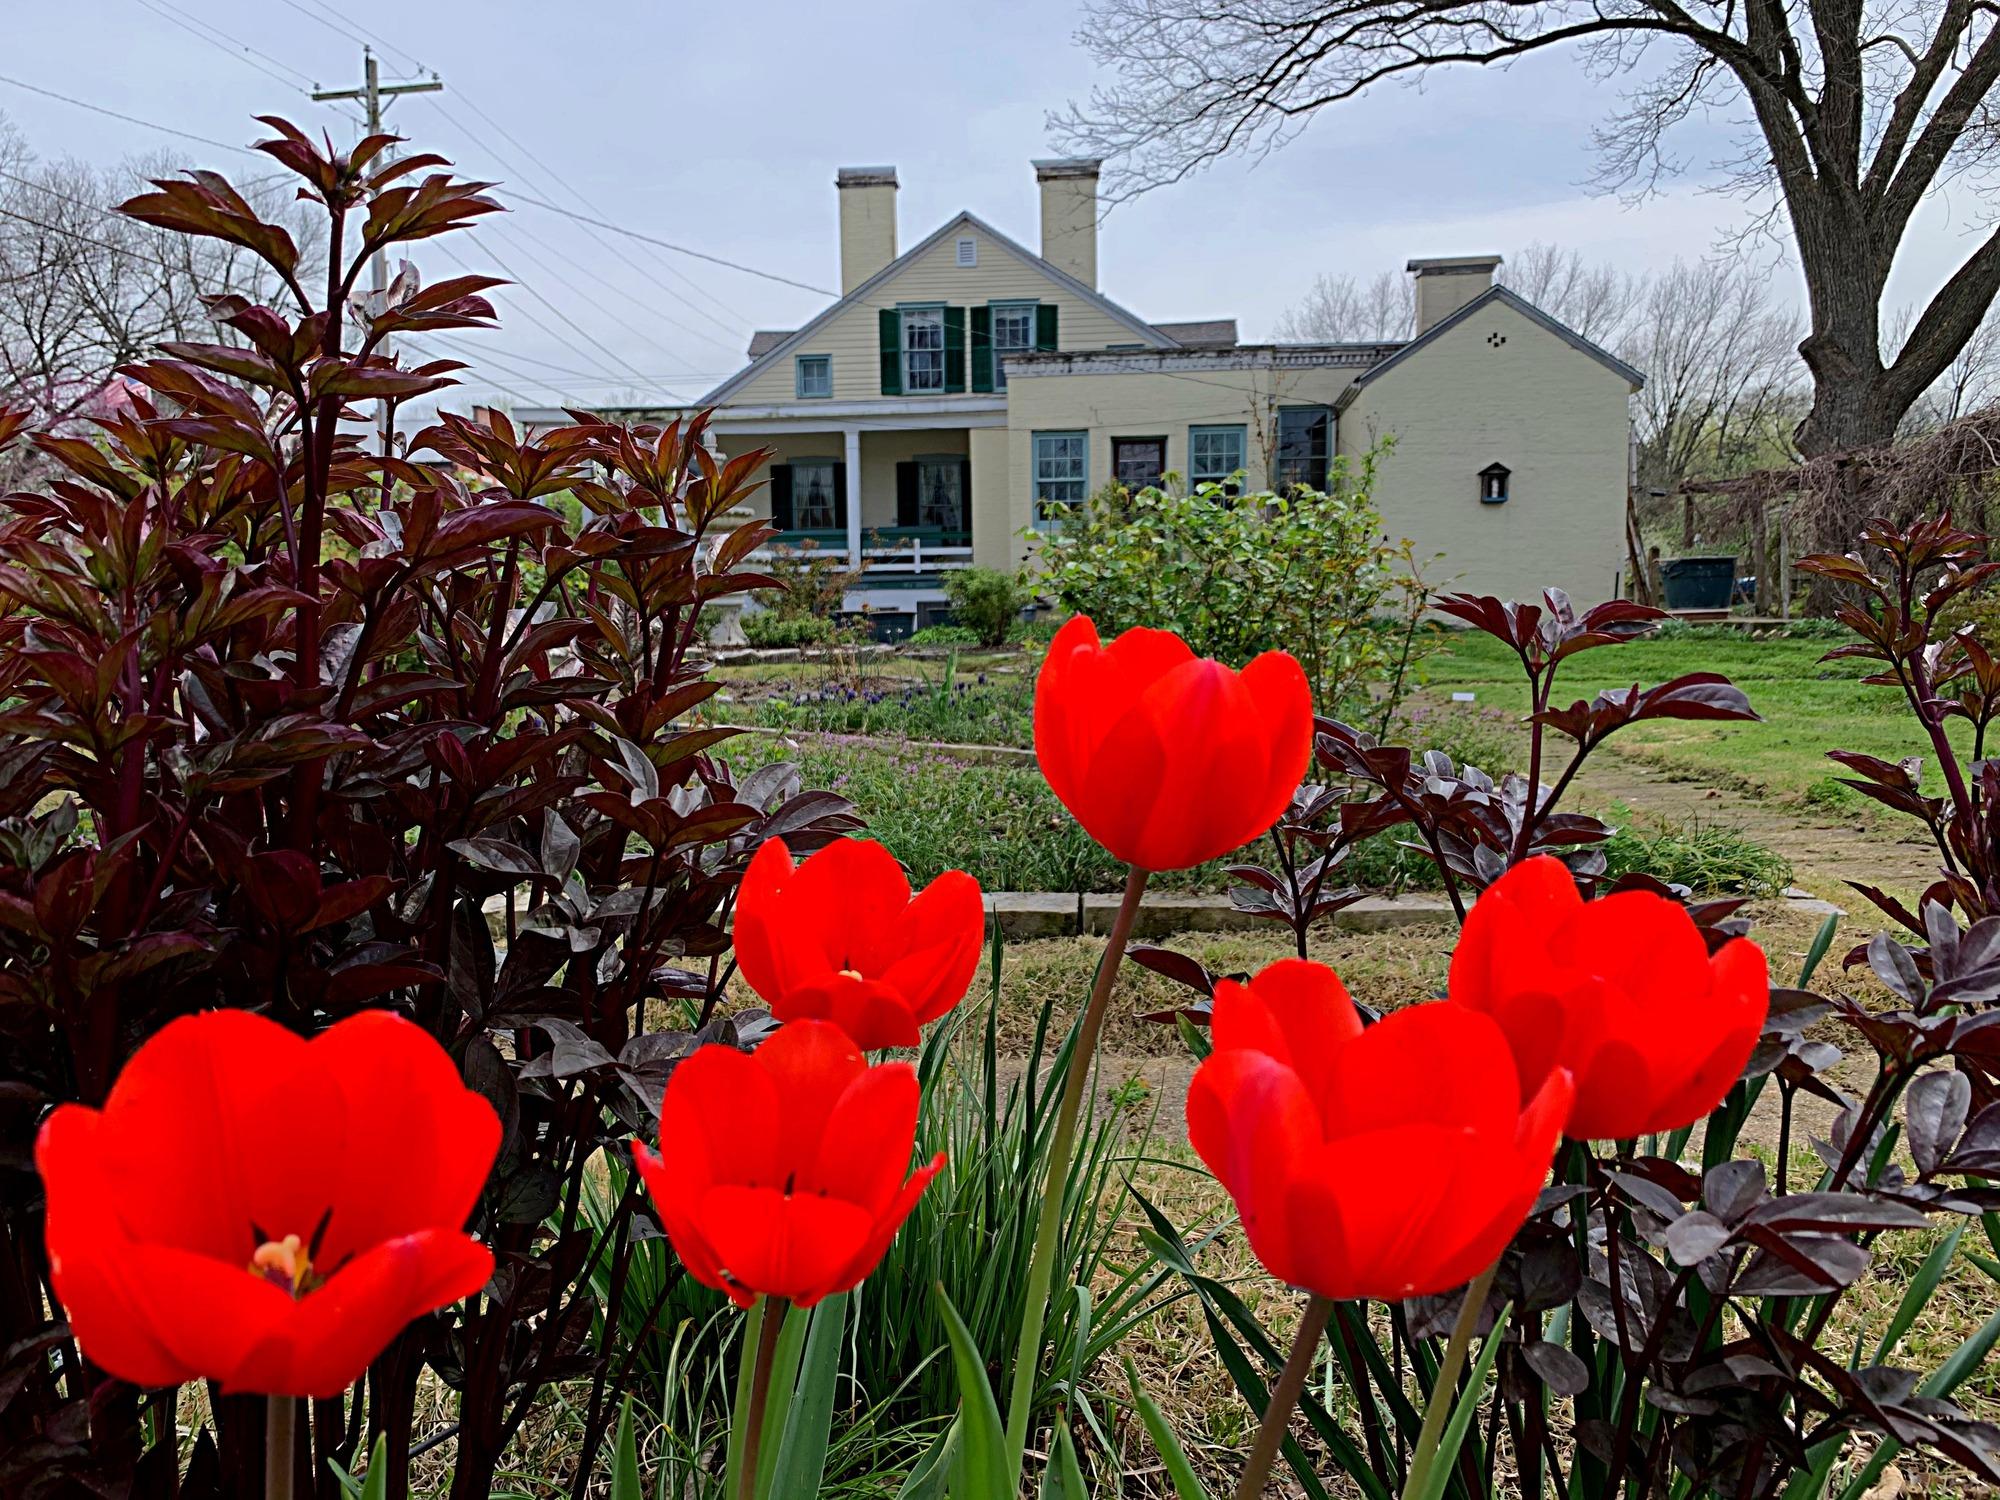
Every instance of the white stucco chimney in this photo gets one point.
(1069, 215)
(867, 222)
(1447, 284)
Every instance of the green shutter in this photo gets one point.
(954, 349)
(982, 349)
(1045, 326)
(781, 496)
(890, 323)
(840, 495)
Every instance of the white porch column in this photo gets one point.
(853, 435)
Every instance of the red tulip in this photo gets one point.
(253, 1208)
(781, 1171)
(1385, 1163)
(1622, 992)
(839, 938)
(1168, 759)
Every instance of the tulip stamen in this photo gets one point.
(853, 974)
(288, 1263)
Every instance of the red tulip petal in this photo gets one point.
(1614, 1093)
(676, 1193)
(719, 1119)
(932, 949)
(1304, 1243)
(182, 1132)
(760, 933)
(1644, 945)
(1119, 786)
(873, 1013)
(1063, 745)
(1281, 701)
(328, 1338)
(1313, 1012)
(891, 1218)
(1394, 1189)
(810, 1065)
(1250, 1120)
(207, 1314)
(1504, 942)
(1424, 1065)
(864, 1150)
(782, 1246)
(1733, 1018)
(87, 1246)
(400, 1090)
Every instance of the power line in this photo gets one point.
(615, 250)
(98, 109)
(547, 364)
(804, 286)
(242, 51)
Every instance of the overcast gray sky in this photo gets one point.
(720, 126)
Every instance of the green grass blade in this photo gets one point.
(778, 1401)
(1463, 1410)
(1822, 940)
(1063, 1479)
(1921, 1288)
(376, 1485)
(1179, 1470)
(625, 1458)
(980, 1464)
(746, 1360)
(801, 1465)
(926, 1481)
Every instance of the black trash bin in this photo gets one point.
(1699, 582)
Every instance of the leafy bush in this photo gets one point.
(944, 635)
(285, 717)
(986, 601)
(768, 629)
(1306, 572)
(811, 583)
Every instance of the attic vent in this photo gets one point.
(968, 251)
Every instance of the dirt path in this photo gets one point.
(1825, 850)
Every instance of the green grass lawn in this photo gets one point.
(1808, 706)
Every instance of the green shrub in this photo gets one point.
(768, 628)
(1309, 572)
(812, 583)
(986, 602)
(945, 635)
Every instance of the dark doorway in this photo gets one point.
(1138, 463)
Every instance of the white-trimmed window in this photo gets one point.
(923, 349)
(941, 491)
(1215, 455)
(1013, 333)
(814, 375)
(813, 507)
(1062, 473)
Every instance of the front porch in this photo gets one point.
(891, 496)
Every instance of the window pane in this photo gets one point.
(940, 493)
(1303, 446)
(1060, 471)
(815, 376)
(812, 496)
(923, 349)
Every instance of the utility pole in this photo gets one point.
(372, 94)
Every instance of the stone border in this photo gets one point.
(1024, 915)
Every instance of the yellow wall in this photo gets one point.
(880, 453)
(1156, 404)
(1555, 416)
(853, 338)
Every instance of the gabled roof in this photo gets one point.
(1207, 333)
(1147, 333)
(764, 340)
(1520, 305)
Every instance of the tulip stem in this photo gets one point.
(281, 1415)
(1041, 1265)
(1444, 1392)
(760, 1389)
(1284, 1398)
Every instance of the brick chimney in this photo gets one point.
(1069, 215)
(867, 222)
(1445, 285)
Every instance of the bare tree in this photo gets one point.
(1970, 383)
(1857, 114)
(1721, 379)
(1592, 298)
(84, 290)
(1342, 310)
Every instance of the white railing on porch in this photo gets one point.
(912, 556)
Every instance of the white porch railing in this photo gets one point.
(913, 555)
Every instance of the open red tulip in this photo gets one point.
(839, 938)
(1168, 759)
(784, 1172)
(1622, 992)
(1384, 1163)
(260, 1210)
